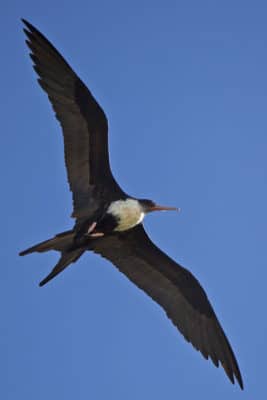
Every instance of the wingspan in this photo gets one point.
(175, 289)
(84, 125)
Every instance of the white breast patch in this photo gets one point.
(128, 212)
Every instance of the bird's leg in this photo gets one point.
(96, 234)
(91, 229)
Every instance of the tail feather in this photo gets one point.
(63, 242)
(66, 258)
(60, 242)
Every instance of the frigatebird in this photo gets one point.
(108, 221)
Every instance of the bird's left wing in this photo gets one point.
(84, 124)
(175, 289)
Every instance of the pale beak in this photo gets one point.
(164, 208)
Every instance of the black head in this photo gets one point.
(149, 206)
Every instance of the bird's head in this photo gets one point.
(149, 206)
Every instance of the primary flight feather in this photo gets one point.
(108, 221)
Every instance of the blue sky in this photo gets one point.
(184, 86)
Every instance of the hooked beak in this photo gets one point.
(164, 208)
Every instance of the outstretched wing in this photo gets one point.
(84, 124)
(175, 289)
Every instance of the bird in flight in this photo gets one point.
(108, 221)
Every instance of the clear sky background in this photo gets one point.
(184, 85)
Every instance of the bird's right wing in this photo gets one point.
(84, 124)
(175, 289)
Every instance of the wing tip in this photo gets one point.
(238, 378)
(27, 24)
(44, 281)
(232, 371)
(25, 252)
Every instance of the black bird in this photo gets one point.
(108, 221)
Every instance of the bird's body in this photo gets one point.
(108, 221)
(117, 216)
(128, 213)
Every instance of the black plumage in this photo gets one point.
(85, 132)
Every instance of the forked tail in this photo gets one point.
(62, 242)
(67, 257)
